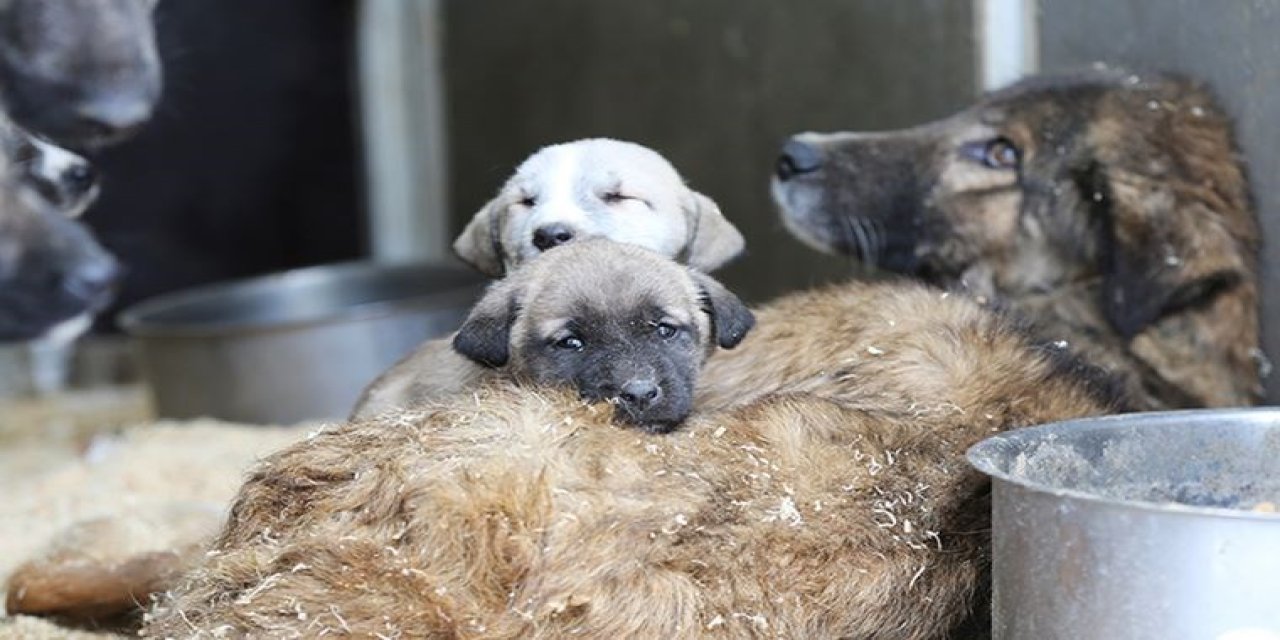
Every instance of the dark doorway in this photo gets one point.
(252, 162)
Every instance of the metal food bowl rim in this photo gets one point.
(135, 319)
(981, 455)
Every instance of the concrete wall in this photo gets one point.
(715, 85)
(1235, 46)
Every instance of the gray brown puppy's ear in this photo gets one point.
(713, 240)
(485, 336)
(731, 320)
(480, 244)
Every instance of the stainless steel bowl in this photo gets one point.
(1137, 526)
(294, 346)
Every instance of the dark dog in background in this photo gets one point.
(80, 72)
(1110, 208)
(51, 268)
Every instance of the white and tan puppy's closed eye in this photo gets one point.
(597, 188)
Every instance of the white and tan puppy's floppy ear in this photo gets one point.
(713, 240)
(479, 244)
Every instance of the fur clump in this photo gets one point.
(830, 501)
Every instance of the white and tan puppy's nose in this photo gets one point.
(552, 235)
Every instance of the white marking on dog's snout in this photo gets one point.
(559, 204)
(53, 164)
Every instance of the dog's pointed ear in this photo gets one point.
(485, 336)
(713, 240)
(480, 243)
(731, 320)
(1174, 240)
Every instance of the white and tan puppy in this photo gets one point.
(597, 188)
(617, 323)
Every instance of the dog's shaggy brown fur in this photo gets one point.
(829, 501)
(1110, 207)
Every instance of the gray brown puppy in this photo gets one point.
(599, 188)
(1109, 207)
(618, 323)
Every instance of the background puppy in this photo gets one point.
(82, 72)
(597, 188)
(617, 322)
(51, 268)
(1109, 207)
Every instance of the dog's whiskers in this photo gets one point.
(875, 238)
(861, 238)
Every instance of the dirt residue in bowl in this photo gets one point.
(1197, 468)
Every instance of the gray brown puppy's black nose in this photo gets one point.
(798, 158)
(552, 235)
(640, 394)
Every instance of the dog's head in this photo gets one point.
(51, 268)
(82, 72)
(597, 188)
(617, 322)
(1129, 179)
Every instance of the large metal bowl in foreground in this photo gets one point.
(294, 346)
(1137, 526)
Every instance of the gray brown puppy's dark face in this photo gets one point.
(1104, 175)
(618, 323)
(641, 358)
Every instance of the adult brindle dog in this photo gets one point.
(1109, 207)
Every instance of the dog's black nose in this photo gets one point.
(552, 235)
(639, 394)
(80, 178)
(115, 114)
(92, 281)
(798, 158)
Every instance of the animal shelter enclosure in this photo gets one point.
(614, 319)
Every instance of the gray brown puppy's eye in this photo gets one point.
(1000, 153)
(570, 343)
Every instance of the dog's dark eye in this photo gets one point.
(666, 330)
(528, 201)
(570, 343)
(1000, 154)
(614, 197)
